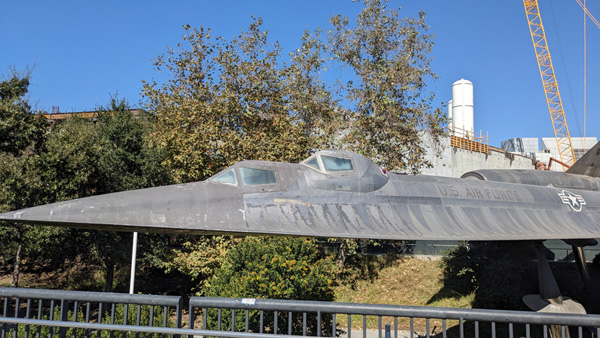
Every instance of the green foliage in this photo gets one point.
(22, 136)
(499, 273)
(225, 101)
(78, 158)
(275, 268)
(198, 257)
(459, 268)
(20, 129)
(272, 268)
(388, 60)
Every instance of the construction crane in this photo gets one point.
(557, 113)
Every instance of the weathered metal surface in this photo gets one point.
(365, 202)
(588, 164)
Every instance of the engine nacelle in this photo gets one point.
(536, 177)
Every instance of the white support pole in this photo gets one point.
(133, 258)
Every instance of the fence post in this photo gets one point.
(64, 316)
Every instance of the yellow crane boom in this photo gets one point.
(542, 53)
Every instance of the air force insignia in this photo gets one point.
(576, 202)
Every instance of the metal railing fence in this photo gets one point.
(315, 318)
(80, 308)
(57, 313)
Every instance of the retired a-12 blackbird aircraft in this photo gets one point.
(337, 193)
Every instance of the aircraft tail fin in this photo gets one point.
(588, 164)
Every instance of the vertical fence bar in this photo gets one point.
(395, 327)
(349, 326)
(545, 328)
(443, 328)
(427, 328)
(319, 323)
(138, 319)
(39, 316)
(151, 319)
(4, 314)
(52, 330)
(112, 318)
(232, 320)
(64, 313)
(191, 317)
(510, 330)
(27, 309)
(289, 322)
(75, 310)
(87, 317)
(412, 327)
(247, 322)
(275, 315)
(100, 310)
(262, 315)
(379, 323)
(493, 329)
(364, 326)
(304, 323)
(16, 315)
(179, 323)
(333, 326)
(219, 320)
(125, 314)
(476, 329)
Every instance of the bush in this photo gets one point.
(272, 268)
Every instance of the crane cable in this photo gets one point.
(588, 14)
(585, 10)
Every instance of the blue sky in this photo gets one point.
(82, 52)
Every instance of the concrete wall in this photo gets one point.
(454, 162)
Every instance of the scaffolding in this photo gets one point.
(469, 140)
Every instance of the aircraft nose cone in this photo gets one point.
(176, 208)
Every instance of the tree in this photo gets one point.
(388, 61)
(86, 157)
(231, 100)
(22, 135)
(20, 129)
(78, 158)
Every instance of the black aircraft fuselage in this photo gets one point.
(338, 193)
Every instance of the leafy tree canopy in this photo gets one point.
(225, 101)
(19, 127)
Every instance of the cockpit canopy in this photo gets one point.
(344, 171)
(250, 176)
(326, 170)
